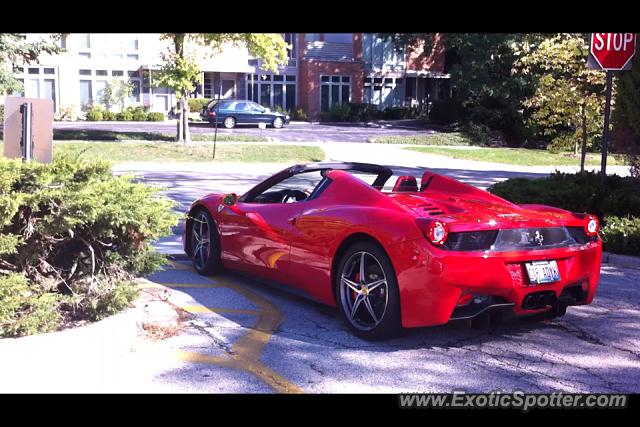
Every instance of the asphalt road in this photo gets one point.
(247, 337)
(295, 132)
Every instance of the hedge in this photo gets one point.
(98, 113)
(72, 238)
(617, 204)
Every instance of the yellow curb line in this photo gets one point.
(247, 350)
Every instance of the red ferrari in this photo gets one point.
(408, 256)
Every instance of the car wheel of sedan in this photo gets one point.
(368, 292)
(278, 122)
(229, 122)
(205, 244)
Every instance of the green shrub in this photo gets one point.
(196, 104)
(139, 113)
(576, 192)
(66, 114)
(621, 235)
(1, 113)
(79, 233)
(445, 112)
(617, 204)
(126, 115)
(96, 113)
(155, 117)
(24, 310)
(397, 113)
(110, 116)
(363, 112)
(337, 113)
(300, 115)
(478, 134)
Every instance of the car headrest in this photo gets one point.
(406, 183)
(426, 180)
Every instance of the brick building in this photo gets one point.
(324, 69)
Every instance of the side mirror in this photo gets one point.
(230, 199)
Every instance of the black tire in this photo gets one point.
(278, 123)
(229, 122)
(206, 256)
(383, 299)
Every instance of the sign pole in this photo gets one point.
(215, 138)
(605, 132)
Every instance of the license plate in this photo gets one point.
(542, 272)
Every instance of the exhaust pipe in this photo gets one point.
(538, 300)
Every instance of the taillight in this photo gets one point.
(591, 225)
(465, 299)
(435, 231)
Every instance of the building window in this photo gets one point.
(85, 72)
(83, 41)
(117, 73)
(379, 54)
(334, 90)
(38, 82)
(338, 37)
(272, 91)
(101, 72)
(133, 57)
(312, 37)
(291, 40)
(384, 92)
(86, 98)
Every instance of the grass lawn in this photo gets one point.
(517, 156)
(107, 135)
(172, 152)
(440, 138)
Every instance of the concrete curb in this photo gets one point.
(618, 260)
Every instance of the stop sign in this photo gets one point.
(613, 51)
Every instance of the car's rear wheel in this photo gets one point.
(278, 122)
(368, 292)
(229, 122)
(205, 243)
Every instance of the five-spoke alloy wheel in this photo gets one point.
(205, 244)
(368, 291)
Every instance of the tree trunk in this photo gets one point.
(584, 138)
(185, 114)
(179, 134)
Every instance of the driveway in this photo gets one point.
(295, 132)
(235, 335)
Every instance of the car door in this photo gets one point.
(256, 237)
(243, 112)
(261, 115)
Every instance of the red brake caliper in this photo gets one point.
(357, 280)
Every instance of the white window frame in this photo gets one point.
(40, 77)
(257, 79)
(95, 78)
(339, 84)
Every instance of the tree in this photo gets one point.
(16, 50)
(569, 98)
(486, 88)
(181, 73)
(116, 92)
(626, 115)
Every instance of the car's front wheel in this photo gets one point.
(204, 243)
(229, 122)
(368, 293)
(278, 122)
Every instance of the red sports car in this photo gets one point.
(411, 256)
